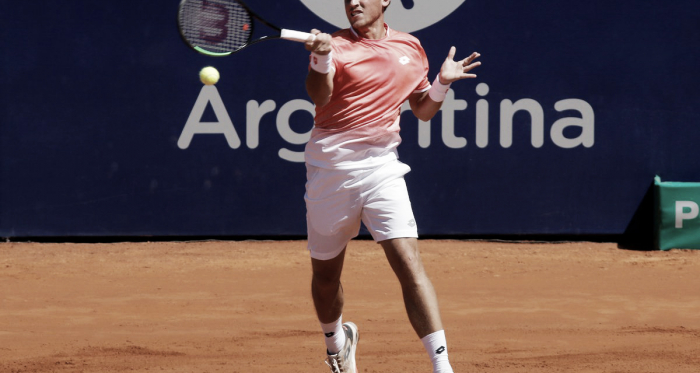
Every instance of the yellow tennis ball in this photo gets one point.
(209, 75)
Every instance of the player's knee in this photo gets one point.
(411, 272)
(325, 280)
(413, 277)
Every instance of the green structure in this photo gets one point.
(677, 214)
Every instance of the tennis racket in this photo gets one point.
(222, 27)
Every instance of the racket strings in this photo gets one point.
(216, 26)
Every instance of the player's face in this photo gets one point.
(363, 14)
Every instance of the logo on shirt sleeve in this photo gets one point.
(404, 60)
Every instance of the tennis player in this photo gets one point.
(358, 78)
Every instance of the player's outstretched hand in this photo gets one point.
(452, 70)
(320, 45)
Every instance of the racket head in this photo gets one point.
(215, 27)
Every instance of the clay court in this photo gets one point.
(245, 306)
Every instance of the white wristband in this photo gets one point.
(321, 63)
(438, 91)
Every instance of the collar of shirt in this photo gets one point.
(358, 37)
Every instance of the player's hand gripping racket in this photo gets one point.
(221, 27)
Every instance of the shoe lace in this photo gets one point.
(335, 364)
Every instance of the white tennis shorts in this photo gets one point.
(338, 200)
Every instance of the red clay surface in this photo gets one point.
(221, 306)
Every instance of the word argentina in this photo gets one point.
(582, 135)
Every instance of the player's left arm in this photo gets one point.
(426, 104)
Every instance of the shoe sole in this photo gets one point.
(350, 325)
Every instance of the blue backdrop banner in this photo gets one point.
(106, 129)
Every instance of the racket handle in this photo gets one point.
(295, 35)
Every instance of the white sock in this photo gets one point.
(335, 336)
(436, 346)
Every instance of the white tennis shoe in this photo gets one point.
(344, 361)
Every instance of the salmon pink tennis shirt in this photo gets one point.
(359, 126)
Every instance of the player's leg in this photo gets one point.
(419, 298)
(327, 293)
(418, 292)
(326, 289)
(332, 221)
(389, 217)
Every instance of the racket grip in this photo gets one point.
(295, 35)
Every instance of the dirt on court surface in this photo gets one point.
(222, 306)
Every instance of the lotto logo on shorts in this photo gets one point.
(412, 223)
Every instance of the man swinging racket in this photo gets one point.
(358, 79)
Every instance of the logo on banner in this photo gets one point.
(572, 131)
(402, 15)
(209, 96)
(685, 210)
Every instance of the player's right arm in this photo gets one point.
(319, 85)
